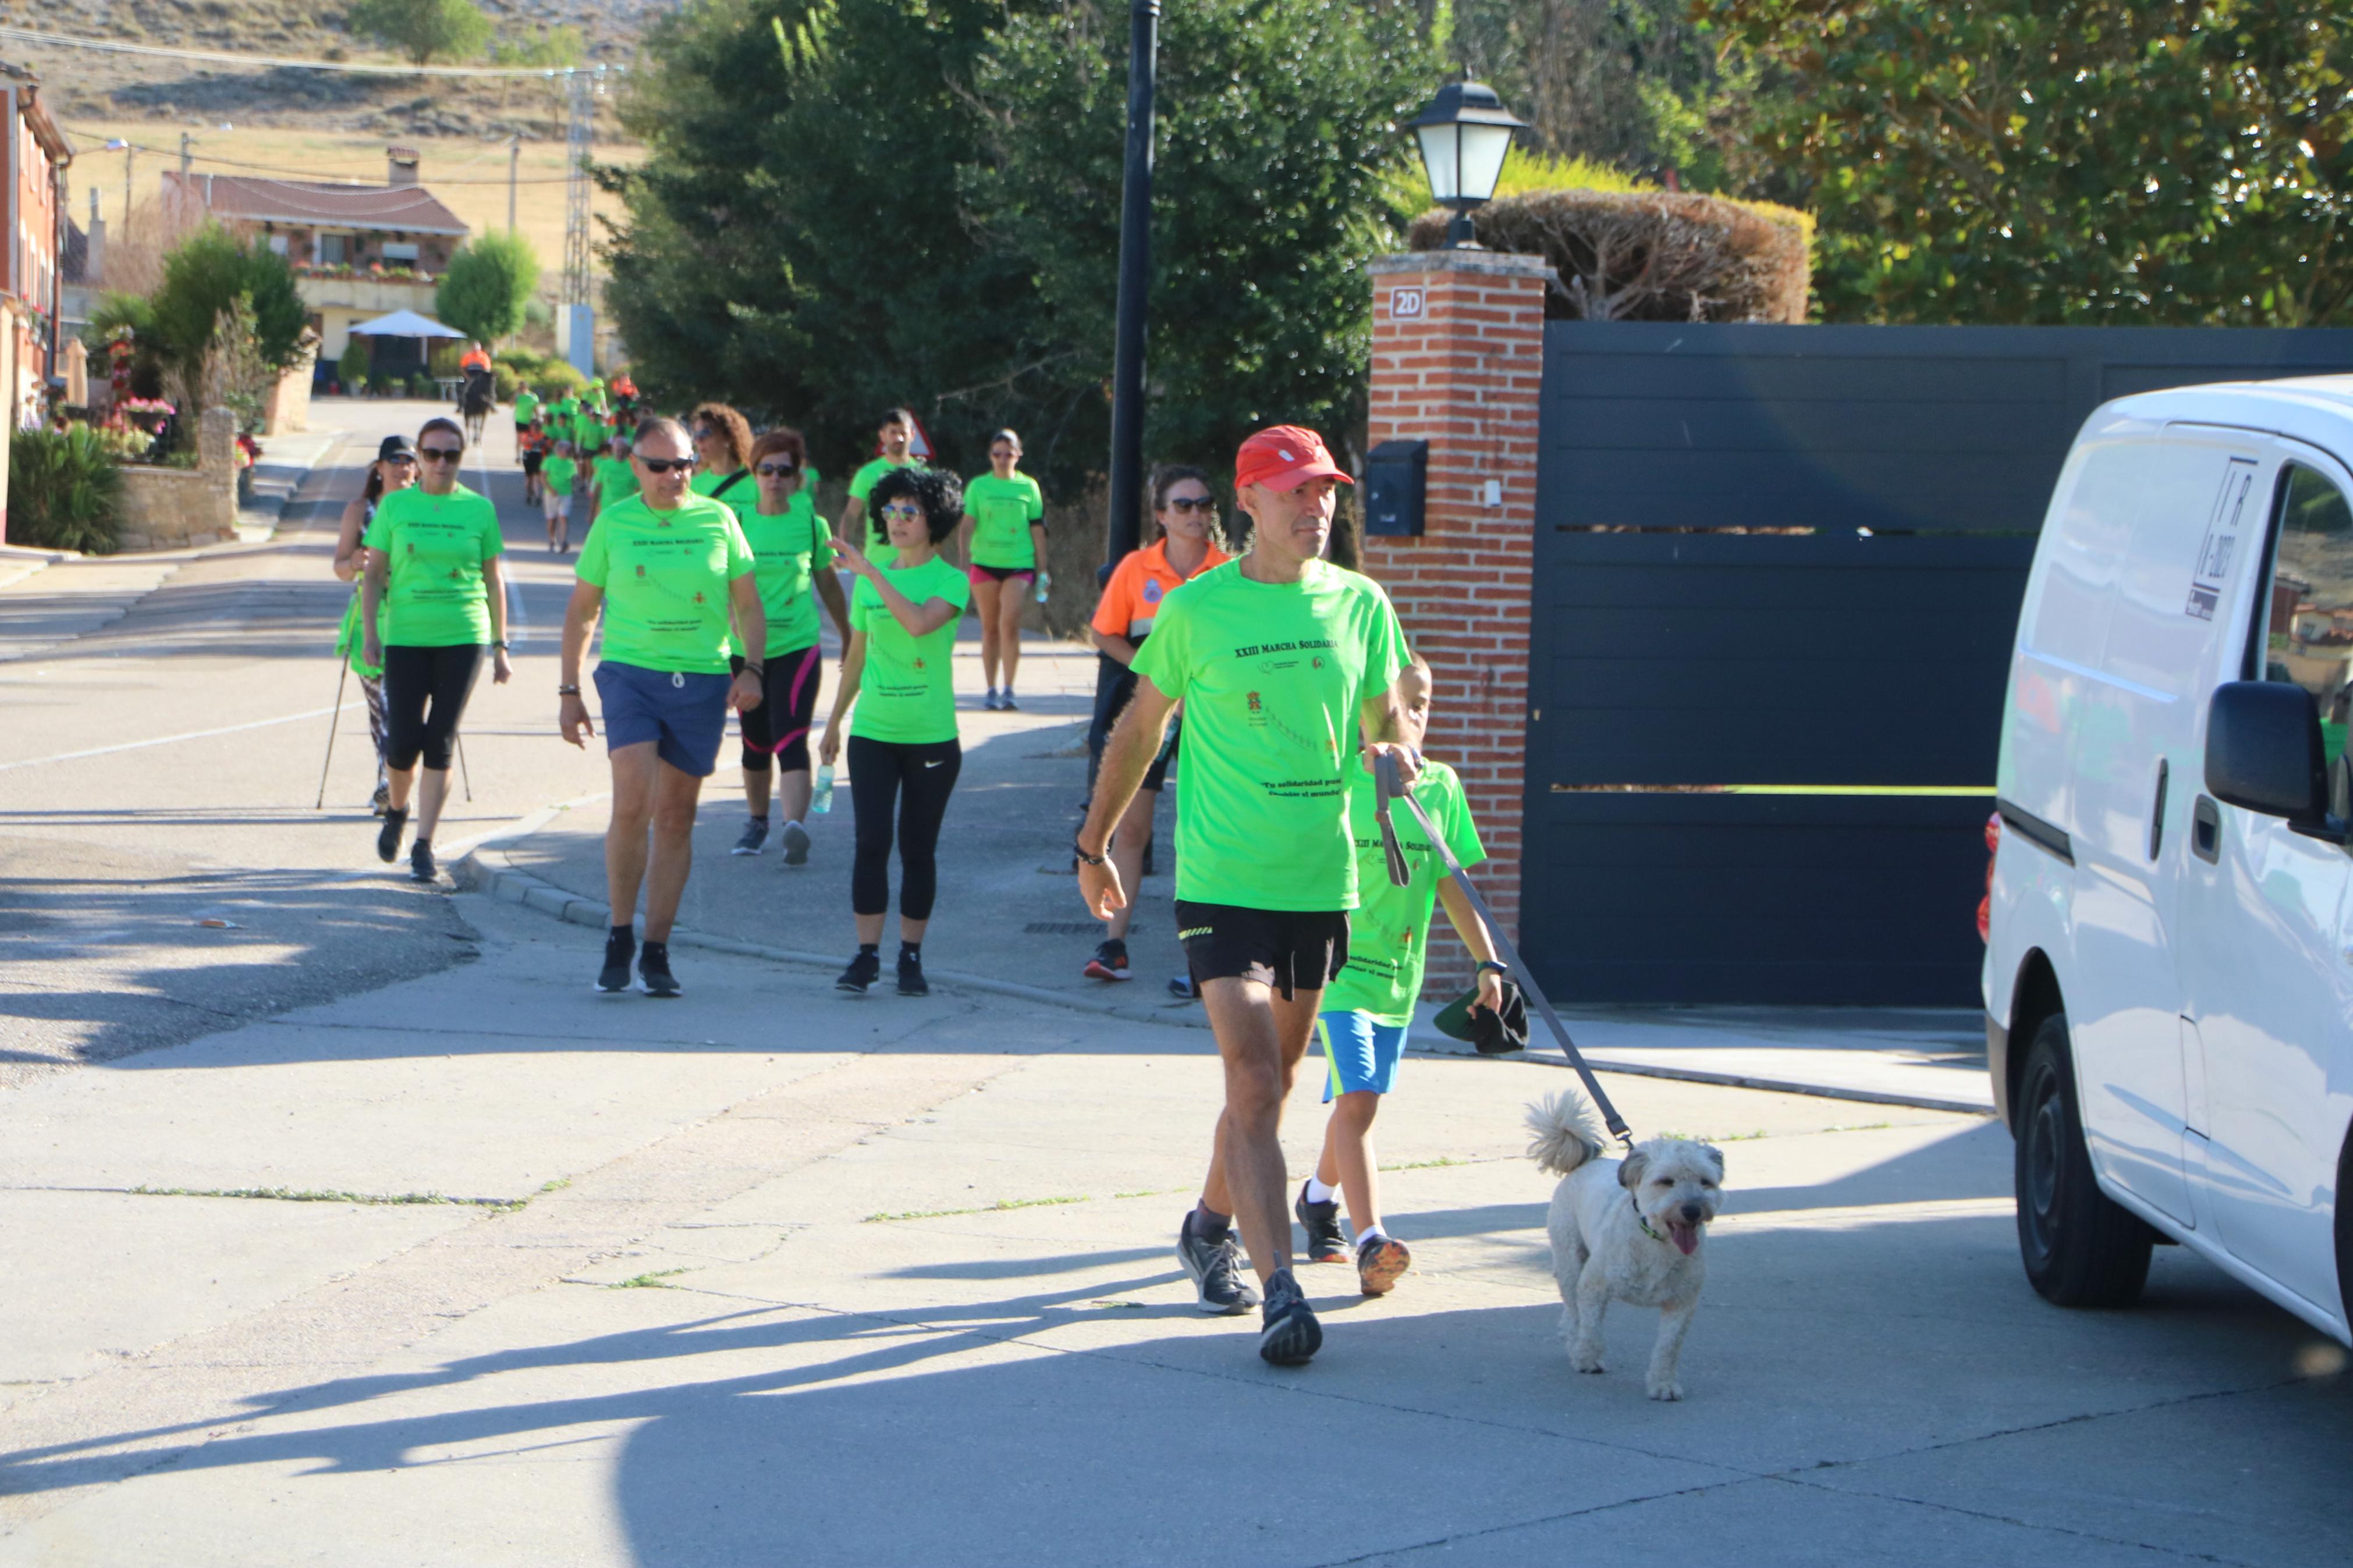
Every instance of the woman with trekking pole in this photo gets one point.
(395, 468)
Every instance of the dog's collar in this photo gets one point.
(1645, 1224)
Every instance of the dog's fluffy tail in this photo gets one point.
(1568, 1133)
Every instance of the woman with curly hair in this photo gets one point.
(723, 456)
(904, 749)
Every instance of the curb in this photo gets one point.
(510, 886)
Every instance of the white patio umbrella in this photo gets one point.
(404, 324)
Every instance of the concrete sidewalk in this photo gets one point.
(483, 1268)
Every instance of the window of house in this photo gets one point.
(400, 253)
(334, 249)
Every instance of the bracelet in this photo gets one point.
(1503, 969)
(500, 643)
(567, 691)
(1089, 859)
(756, 672)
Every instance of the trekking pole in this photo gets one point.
(1390, 786)
(464, 776)
(335, 718)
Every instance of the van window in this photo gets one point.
(2308, 623)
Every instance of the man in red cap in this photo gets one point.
(1287, 667)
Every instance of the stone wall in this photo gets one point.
(1458, 361)
(171, 508)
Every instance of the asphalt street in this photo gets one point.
(353, 1226)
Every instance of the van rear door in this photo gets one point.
(2137, 763)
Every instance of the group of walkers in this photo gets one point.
(1292, 676)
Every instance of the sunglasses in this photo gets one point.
(664, 465)
(903, 508)
(440, 454)
(777, 470)
(405, 459)
(1201, 504)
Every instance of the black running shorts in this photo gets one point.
(1289, 950)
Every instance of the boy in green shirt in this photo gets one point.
(894, 435)
(1368, 1007)
(612, 479)
(556, 474)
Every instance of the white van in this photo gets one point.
(2169, 976)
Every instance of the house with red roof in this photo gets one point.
(359, 251)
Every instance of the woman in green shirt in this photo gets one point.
(792, 549)
(903, 627)
(433, 557)
(1004, 540)
(722, 454)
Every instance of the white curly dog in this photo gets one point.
(1627, 1230)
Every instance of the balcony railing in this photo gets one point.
(366, 272)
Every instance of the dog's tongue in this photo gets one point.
(1685, 1236)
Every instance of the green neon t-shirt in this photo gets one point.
(742, 497)
(788, 549)
(1001, 513)
(1388, 934)
(526, 405)
(665, 576)
(617, 480)
(435, 548)
(861, 488)
(556, 474)
(1272, 676)
(905, 694)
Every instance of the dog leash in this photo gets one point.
(1389, 785)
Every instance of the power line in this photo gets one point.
(110, 47)
(312, 176)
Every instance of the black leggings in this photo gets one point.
(778, 729)
(880, 770)
(425, 692)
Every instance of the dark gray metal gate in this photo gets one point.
(1777, 573)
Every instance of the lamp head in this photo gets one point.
(1464, 133)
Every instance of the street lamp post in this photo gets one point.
(1120, 534)
(1464, 133)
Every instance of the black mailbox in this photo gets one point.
(1395, 474)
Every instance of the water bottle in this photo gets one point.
(1043, 579)
(821, 799)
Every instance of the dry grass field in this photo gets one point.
(469, 175)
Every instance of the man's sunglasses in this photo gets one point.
(440, 454)
(777, 470)
(664, 465)
(1202, 504)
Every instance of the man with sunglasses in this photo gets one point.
(669, 569)
(433, 560)
(1288, 668)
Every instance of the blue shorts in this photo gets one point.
(684, 715)
(1358, 1052)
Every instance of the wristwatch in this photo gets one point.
(1503, 969)
(1089, 859)
(567, 691)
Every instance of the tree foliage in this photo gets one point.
(2171, 161)
(424, 30)
(216, 284)
(856, 203)
(490, 280)
(65, 490)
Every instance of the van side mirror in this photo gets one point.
(2264, 752)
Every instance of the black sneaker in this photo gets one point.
(420, 862)
(1216, 1270)
(388, 838)
(653, 969)
(911, 975)
(755, 834)
(863, 971)
(1290, 1335)
(620, 946)
(1110, 962)
(1379, 1262)
(796, 844)
(1325, 1243)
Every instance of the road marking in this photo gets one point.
(175, 740)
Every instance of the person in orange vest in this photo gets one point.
(476, 354)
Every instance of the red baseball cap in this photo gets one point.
(1284, 458)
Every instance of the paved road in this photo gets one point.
(326, 1243)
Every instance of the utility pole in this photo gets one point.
(514, 157)
(577, 312)
(1135, 283)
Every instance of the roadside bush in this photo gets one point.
(556, 377)
(1650, 256)
(422, 385)
(443, 360)
(64, 490)
(351, 368)
(504, 383)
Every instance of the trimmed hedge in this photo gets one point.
(1650, 256)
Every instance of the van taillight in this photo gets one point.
(1985, 905)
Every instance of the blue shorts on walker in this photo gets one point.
(1359, 1052)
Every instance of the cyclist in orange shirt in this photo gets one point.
(1182, 506)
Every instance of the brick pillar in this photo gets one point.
(1458, 361)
